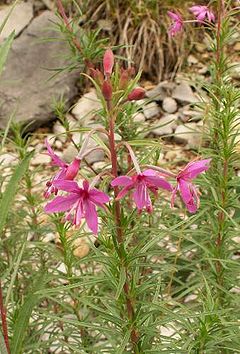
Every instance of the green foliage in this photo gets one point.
(179, 272)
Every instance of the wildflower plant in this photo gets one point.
(155, 236)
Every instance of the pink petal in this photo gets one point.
(97, 196)
(91, 217)
(188, 195)
(193, 169)
(55, 159)
(123, 192)
(78, 213)
(141, 196)
(173, 197)
(174, 16)
(201, 16)
(60, 204)
(73, 169)
(67, 186)
(159, 182)
(86, 185)
(121, 181)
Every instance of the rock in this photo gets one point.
(184, 93)
(81, 247)
(187, 114)
(24, 83)
(192, 60)
(151, 110)
(40, 159)
(235, 70)
(69, 153)
(60, 131)
(7, 159)
(86, 107)
(19, 19)
(138, 117)
(162, 90)
(169, 105)
(237, 47)
(167, 125)
(188, 134)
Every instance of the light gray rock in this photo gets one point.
(191, 59)
(151, 110)
(19, 19)
(87, 107)
(24, 84)
(184, 93)
(169, 105)
(138, 117)
(189, 134)
(60, 131)
(167, 125)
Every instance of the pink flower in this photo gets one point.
(177, 23)
(66, 172)
(188, 191)
(108, 62)
(202, 12)
(141, 183)
(79, 203)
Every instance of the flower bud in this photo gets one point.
(73, 169)
(108, 62)
(124, 77)
(137, 94)
(107, 90)
(97, 75)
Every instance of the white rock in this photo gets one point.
(169, 105)
(40, 159)
(138, 117)
(191, 59)
(69, 153)
(151, 110)
(189, 134)
(7, 160)
(184, 93)
(19, 19)
(60, 132)
(166, 125)
(86, 107)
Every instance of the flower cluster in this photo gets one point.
(201, 13)
(81, 202)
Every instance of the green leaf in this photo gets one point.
(3, 349)
(4, 49)
(122, 279)
(21, 324)
(11, 189)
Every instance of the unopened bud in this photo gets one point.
(124, 77)
(108, 62)
(73, 169)
(107, 90)
(97, 75)
(137, 94)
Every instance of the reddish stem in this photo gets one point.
(69, 27)
(3, 312)
(129, 302)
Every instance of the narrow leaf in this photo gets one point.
(11, 189)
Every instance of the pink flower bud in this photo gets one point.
(108, 62)
(107, 90)
(137, 94)
(73, 169)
